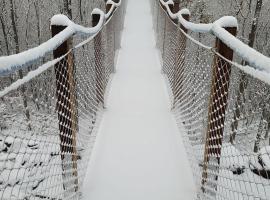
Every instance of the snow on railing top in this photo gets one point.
(63, 20)
(253, 57)
(29, 76)
(114, 5)
(17, 61)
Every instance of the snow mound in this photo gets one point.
(232, 159)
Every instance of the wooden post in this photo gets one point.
(108, 7)
(66, 108)
(171, 7)
(186, 17)
(217, 107)
(99, 62)
(179, 62)
(174, 9)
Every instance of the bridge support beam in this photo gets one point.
(67, 111)
(216, 114)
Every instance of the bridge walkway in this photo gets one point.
(139, 154)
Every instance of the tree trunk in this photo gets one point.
(67, 8)
(35, 95)
(243, 78)
(80, 10)
(260, 131)
(6, 42)
(255, 22)
(252, 37)
(16, 40)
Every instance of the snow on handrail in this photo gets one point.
(114, 6)
(200, 28)
(50, 45)
(30, 76)
(253, 57)
(166, 5)
(16, 61)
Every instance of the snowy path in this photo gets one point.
(139, 154)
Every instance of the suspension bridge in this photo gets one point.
(145, 104)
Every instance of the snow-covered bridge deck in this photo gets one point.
(139, 154)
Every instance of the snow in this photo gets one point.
(30, 76)
(29, 159)
(185, 11)
(9, 140)
(139, 152)
(253, 57)
(226, 21)
(232, 159)
(261, 75)
(168, 2)
(56, 20)
(114, 5)
(265, 156)
(200, 28)
(60, 20)
(244, 186)
(17, 61)
(166, 5)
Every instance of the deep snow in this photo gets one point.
(139, 154)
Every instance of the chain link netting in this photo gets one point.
(222, 112)
(49, 124)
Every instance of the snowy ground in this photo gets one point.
(139, 154)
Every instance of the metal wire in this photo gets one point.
(222, 113)
(49, 124)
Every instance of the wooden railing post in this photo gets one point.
(174, 9)
(187, 18)
(99, 62)
(217, 108)
(67, 109)
(108, 7)
(179, 62)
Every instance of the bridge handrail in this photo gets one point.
(64, 82)
(250, 55)
(114, 5)
(221, 105)
(11, 63)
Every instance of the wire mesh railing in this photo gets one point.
(221, 107)
(50, 116)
